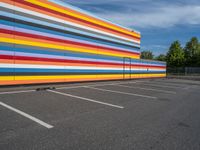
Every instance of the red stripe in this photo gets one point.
(71, 61)
(60, 40)
(71, 17)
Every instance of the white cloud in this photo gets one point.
(163, 17)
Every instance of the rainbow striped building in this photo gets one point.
(47, 41)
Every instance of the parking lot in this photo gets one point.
(125, 115)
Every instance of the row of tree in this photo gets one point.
(178, 56)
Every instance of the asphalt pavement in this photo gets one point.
(157, 114)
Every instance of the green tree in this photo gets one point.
(198, 56)
(175, 56)
(146, 55)
(192, 52)
(161, 57)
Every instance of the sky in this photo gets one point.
(160, 21)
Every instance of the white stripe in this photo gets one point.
(15, 92)
(27, 116)
(2, 65)
(160, 85)
(150, 89)
(141, 81)
(73, 87)
(69, 87)
(60, 20)
(87, 99)
(5, 65)
(145, 96)
(165, 83)
(97, 85)
(101, 84)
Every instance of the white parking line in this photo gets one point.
(159, 85)
(27, 115)
(100, 89)
(149, 89)
(142, 81)
(82, 86)
(70, 87)
(96, 85)
(165, 83)
(15, 92)
(86, 99)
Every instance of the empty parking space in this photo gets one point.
(49, 106)
(155, 86)
(42, 123)
(113, 108)
(146, 89)
(178, 82)
(116, 97)
(137, 92)
(86, 99)
(10, 121)
(161, 85)
(169, 84)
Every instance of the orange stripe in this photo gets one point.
(44, 81)
(7, 36)
(50, 81)
(8, 61)
(96, 78)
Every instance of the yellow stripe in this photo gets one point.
(147, 75)
(68, 48)
(42, 77)
(83, 17)
(3, 78)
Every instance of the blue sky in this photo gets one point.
(159, 21)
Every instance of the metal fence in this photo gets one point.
(194, 71)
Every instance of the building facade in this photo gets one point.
(49, 41)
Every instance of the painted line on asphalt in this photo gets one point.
(159, 85)
(165, 83)
(142, 81)
(42, 123)
(82, 86)
(15, 92)
(149, 89)
(70, 87)
(187, 87)
(86, 99)
(119, 92)
(98, 85)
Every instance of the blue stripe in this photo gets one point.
(73, 70)
(63, 53)
(9, 70)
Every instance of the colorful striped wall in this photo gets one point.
(47, 41)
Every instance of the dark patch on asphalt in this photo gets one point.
(182, 124)
(164, 99)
